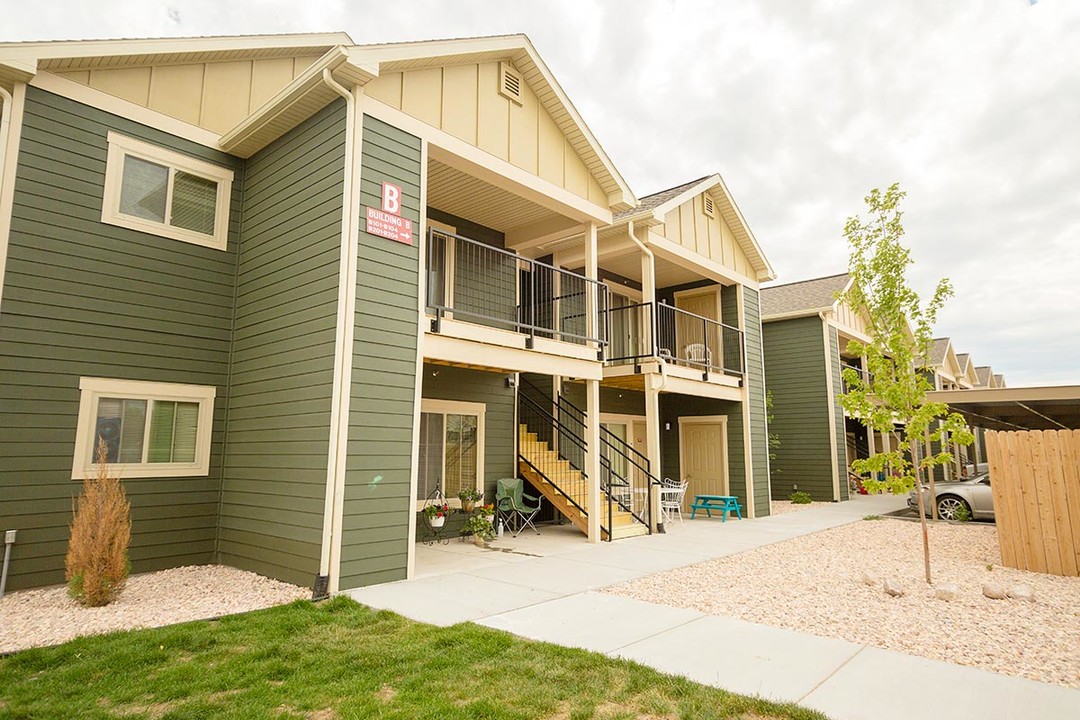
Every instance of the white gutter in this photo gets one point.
(329, 561)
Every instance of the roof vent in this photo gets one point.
(510, 82)
(709, 205)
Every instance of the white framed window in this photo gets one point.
(166, 193)
(451, 449)
(150, 429)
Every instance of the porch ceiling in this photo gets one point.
(468, 197)
(668, 274)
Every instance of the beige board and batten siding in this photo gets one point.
(464, 101)
(795, 375)
(213, 95)
(688, 225)
(377, 502)
(85, 299)
(274, 481)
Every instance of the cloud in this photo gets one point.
(803, 107)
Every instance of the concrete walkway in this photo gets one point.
(542, 587)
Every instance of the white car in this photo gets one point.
(973, 494)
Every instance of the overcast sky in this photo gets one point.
(803, 106)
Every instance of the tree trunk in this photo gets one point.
(922, 513)
(930, 477)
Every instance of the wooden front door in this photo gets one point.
(703, 455)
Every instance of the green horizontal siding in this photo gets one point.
(82, 298)
(795, 374)
(377, 502)
(755, 383)
(274, 483)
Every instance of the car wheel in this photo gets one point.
(949, 505)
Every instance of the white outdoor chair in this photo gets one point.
(698, 354)
(671, 500)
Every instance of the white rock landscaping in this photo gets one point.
(946, 591)
(34, 618)
(811, 584)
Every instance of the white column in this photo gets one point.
(592, 395)
(652, 441)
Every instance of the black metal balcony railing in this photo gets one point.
(660, 331)
(478, 283)
(866, 377)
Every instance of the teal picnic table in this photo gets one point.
(721, 503)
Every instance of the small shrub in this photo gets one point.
(800, 498)
(478, 525)
(962, 514)
(96, 565)
(872, 517)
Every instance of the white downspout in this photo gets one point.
(5, 130)
(339, 409)
(652, 261)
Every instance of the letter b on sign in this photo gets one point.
(391, 198)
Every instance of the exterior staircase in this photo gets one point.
(552, 453)
(566, 487)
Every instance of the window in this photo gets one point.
(451, 449)
(166, 193)
(149, 429)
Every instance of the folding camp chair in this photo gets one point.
(510, 502)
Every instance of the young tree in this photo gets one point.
(893, 392)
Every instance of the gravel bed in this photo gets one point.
(33, 618)
(813, 584)
(780, 507)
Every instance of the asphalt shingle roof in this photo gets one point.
(984, 374)
(805, 295)
(938, 351)
(651, 202)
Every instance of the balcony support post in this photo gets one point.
(652, 443)
(592, 388)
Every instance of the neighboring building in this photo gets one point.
(806, 332)
(949, 370)
(300, 285)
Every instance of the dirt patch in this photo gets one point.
(386, 693)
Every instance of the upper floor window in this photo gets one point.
(149, 429)
(166, 193)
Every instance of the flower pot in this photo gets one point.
(468, 505)
(438, 521)
(490, 519)
(479, 541)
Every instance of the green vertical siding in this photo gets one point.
(755, 383)
(442, 382)
(795, 374)
(82, 298)
(838, 411)
(377, 502)
(672, 407)
(283, 352)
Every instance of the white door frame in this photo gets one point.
(722, 421)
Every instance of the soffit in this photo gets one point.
(468, 197)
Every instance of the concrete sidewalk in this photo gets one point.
(542, 588)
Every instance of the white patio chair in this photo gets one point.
(671, 500)
(698, 354)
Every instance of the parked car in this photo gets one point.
(972, 493)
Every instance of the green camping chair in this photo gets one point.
(510, 497)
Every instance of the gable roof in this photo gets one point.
(652, 209)
(805, 297)
(306, 94)
(985, 374)
(999, 380)
(939, 350)
(963, 359)
(397, 57)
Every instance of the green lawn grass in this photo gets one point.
(342, 660)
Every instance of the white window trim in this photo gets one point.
(455, 407)
(121, 146)
(93, 389)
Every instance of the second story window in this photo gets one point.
(166, 193)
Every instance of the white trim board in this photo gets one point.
(8, 171)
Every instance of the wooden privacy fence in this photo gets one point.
(1035, 478)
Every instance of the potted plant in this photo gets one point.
(481, 530)
(488, 513)
(469, 497)
(437, 514)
